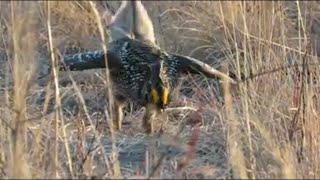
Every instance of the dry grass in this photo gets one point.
(267, 127)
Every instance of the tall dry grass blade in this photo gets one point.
(23, 34)
(302, 79)
(245, 99)
(114, 154)
(283, 155)
(236, 159)
(58, 113)
(92, 125)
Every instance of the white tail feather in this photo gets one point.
(131, 20)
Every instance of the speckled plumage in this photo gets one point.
(141, 64)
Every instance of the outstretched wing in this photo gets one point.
(191, 65)
(89, 60)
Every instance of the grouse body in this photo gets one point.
(141, 72)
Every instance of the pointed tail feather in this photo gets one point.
(120, 24)
(142, 24)
(131, 21)
(194, 66)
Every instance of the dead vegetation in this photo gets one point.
(267, 127)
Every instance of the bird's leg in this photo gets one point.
(148, 117)
(118, 111)
(118, 116)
